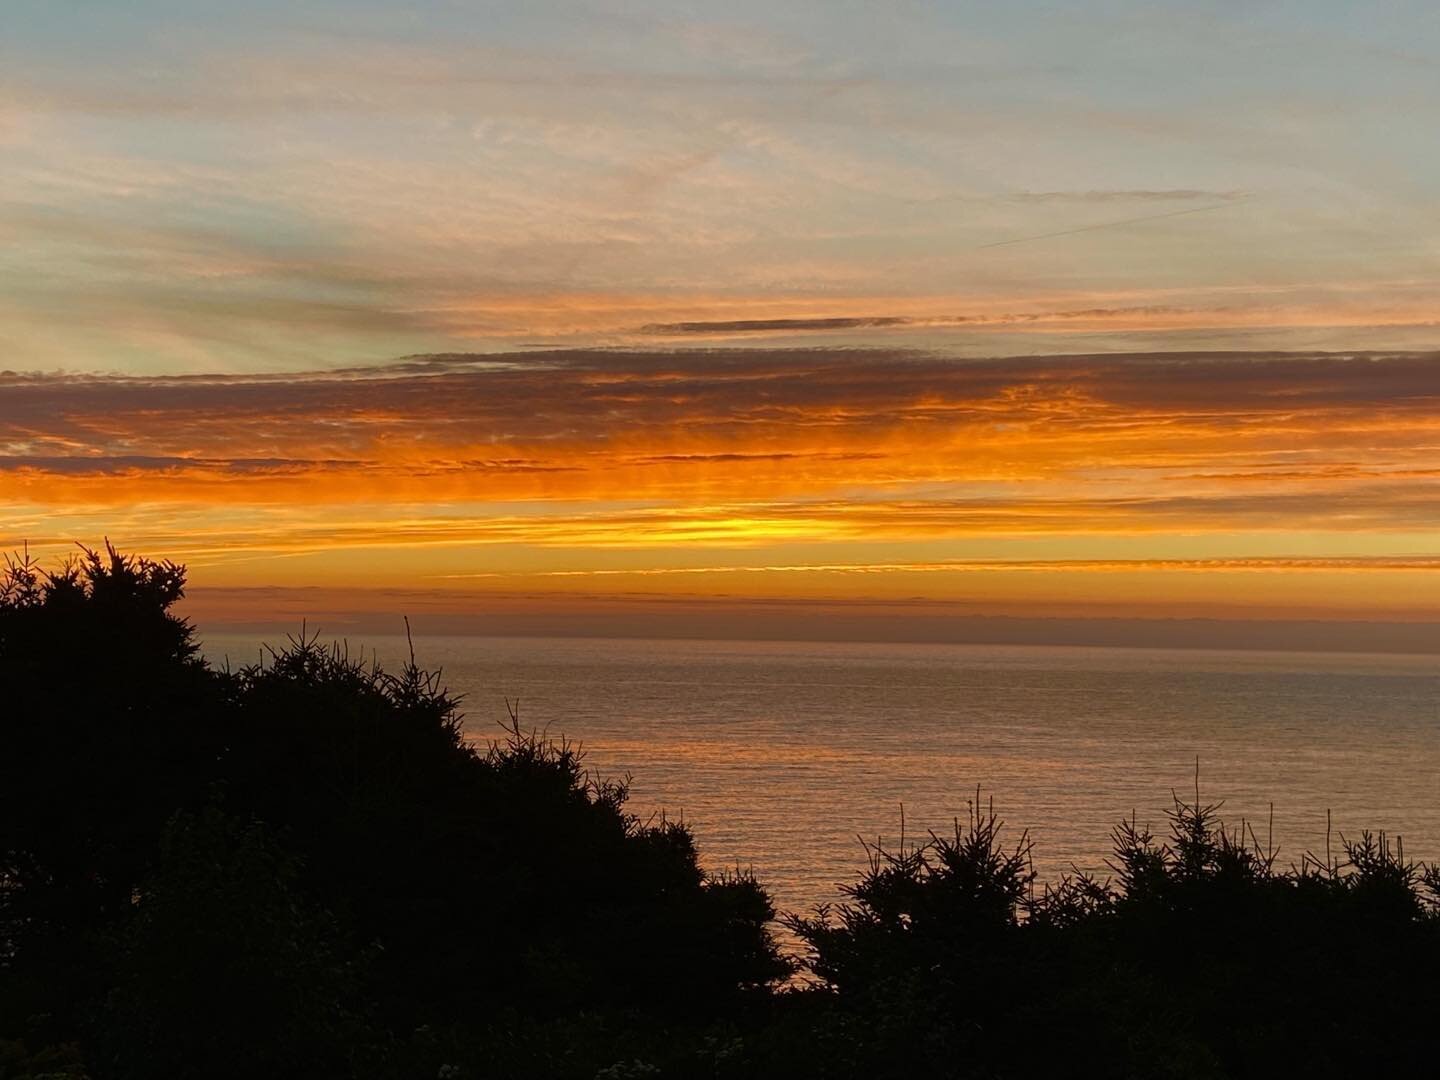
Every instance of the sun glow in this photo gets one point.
(1158, 481)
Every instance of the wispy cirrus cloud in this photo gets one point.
(210, 189)
(1132, 195)
(1097, 195)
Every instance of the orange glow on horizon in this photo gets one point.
(1179, 479)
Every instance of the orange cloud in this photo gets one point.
(715, 424)
(818, 459)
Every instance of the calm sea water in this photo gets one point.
(781, 755)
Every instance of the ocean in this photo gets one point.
(784, 756)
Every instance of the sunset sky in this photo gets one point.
(972, 308)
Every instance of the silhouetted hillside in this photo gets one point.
(302, 869)
(293, 867)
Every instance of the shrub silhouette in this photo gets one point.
(465, 879)
(304, 868)
(1200, 959)
(109, 724)
(405, 830)
(224, 969)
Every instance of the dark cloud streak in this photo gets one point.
(871, 322)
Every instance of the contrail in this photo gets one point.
(1106, 225)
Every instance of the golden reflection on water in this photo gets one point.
(782, 755)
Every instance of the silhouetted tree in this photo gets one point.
(305, 868)
(109, 723)
(225, 970)
(409, 832)
(455, 882)
(1201, 959)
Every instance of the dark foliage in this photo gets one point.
(188, 855)
(224, 970)
(108, 725)
(488, 877)
(1200, 959)
(303, 868)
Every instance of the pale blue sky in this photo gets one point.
(197, 186)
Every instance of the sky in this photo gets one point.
(1032, 310)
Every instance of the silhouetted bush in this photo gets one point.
(17, 1062)
(109, 723)
(1201, 958)
(188, 855)
(487, 877)
(224, 970)
(304, 868)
